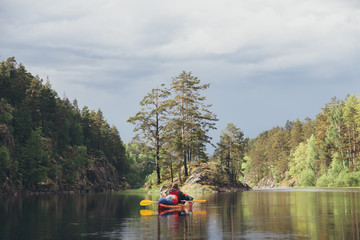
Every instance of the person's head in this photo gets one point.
(175, 186)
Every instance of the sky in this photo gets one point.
(266, 61)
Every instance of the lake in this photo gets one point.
(257, 214)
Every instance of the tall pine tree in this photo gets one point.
(151, 120)
(192, 118)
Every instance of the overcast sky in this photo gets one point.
(266, 61)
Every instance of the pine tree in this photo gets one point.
(151, 119)
(192, 118)
(351, 125)
(33, 159)
(296, 134)
(231, 150)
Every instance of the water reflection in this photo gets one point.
(280, 214)
(286, 214)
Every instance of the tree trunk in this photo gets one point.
(185, 166)
(171, 171)
(157, 165)
(157, 146)
(180, 175)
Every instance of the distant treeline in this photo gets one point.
(45, 138)
(324, 152)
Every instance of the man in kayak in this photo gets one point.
(182, 197)
(169, 200)
(175, 196)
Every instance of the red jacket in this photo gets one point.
(174, 199)
(179, 194)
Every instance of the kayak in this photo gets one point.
(175, 212)
(174, 207)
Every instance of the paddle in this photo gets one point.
(145, 212)
(148, 202)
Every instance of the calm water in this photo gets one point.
(274, 214)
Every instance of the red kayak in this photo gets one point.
(162, 207)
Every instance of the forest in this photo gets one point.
(46, 140)
(322, 153)
(48, 143)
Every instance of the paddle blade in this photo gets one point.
(200, 212)
(145, 212)
(146, 202)
(199, 201)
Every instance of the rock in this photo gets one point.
(13, 181)
(165, 189)
(266, 182)
(211, 177)
(99, 176)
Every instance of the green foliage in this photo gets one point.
(337, 167)
(307, 178)
(352, 179)
(174, 122)
(297, 163)
(4, 162)
(324, 152)
(33, 159)
(230, 151)
(191, 120)
(141, 161)
(22, 123)
(52, 137)
(303, 163)
(339, 176)
(63, 137)
(80, 157)
(324, 181)
(5, 112)
(151, 179)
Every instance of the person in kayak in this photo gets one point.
(175, 196)
(182, 197)
(169, 200)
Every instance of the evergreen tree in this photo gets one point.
(351, 135)
(33, 159)
(296, 134)
(150, 121)
(14, 81)
(118, 151)
(324, 147)
(231, 150)
(308, 128)
(192, 118)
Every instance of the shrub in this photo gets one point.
(336, 167)
(351, 179)
(324, 181)
(307, 178)
(340, 179)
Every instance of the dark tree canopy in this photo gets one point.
(53, 139)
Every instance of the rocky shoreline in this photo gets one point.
(98, 177)
(208, 177)
(101, 176)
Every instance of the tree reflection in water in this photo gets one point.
(270, 214)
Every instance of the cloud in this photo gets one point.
(256, 54)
